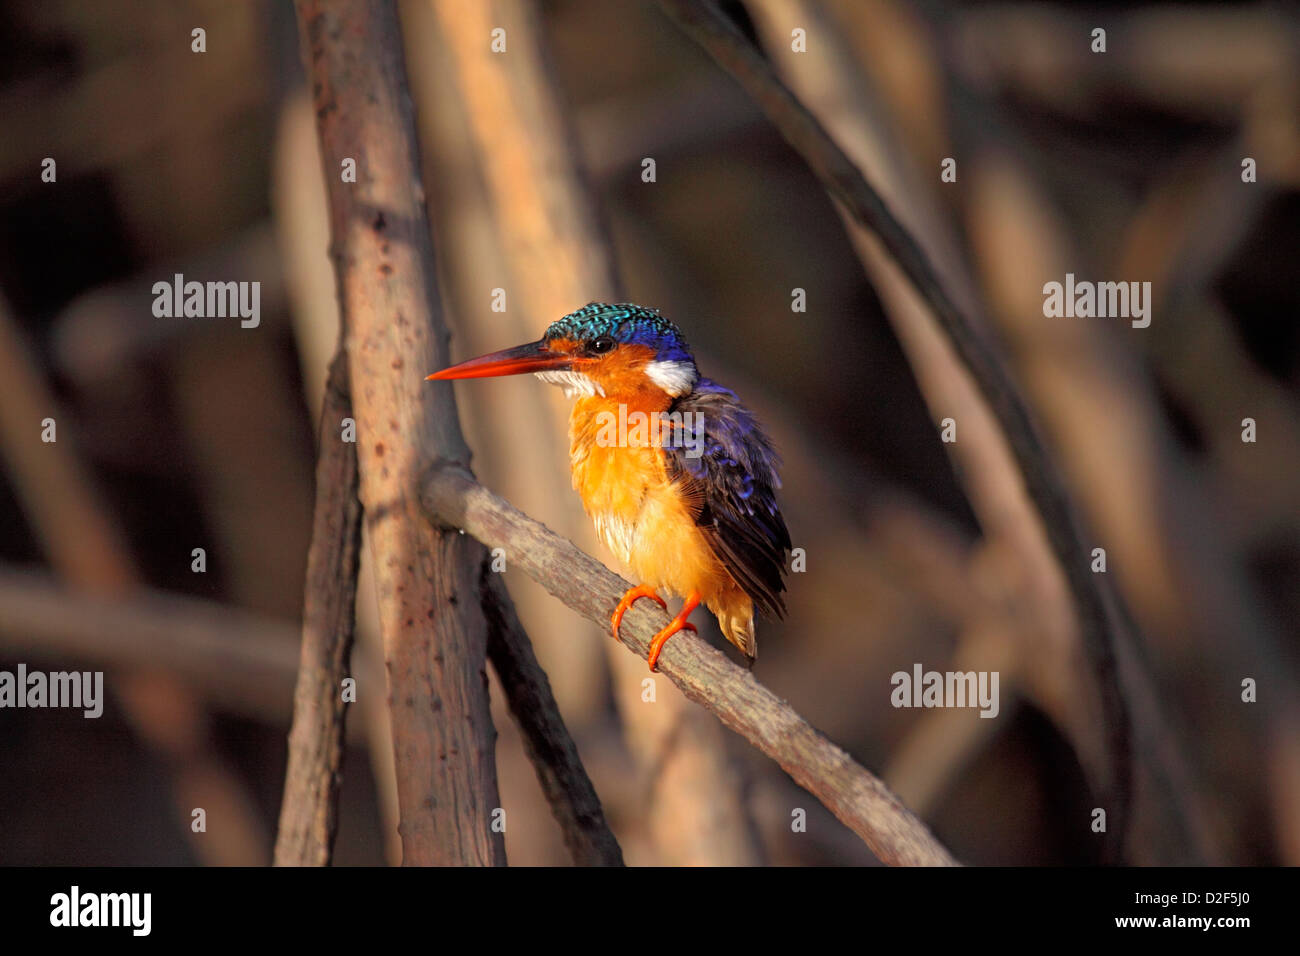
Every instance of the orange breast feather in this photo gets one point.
(642, 516)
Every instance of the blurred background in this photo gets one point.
(177, 434)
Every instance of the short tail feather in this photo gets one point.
(737, 626)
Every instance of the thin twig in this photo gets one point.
(302, 233)
(552, 751)
(705, 675)
(309, 810)
(708, 27)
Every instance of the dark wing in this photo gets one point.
(728, 469)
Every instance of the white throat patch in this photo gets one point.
(675, 378)
(573, 383)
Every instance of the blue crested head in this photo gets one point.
(601, 349)
(626, 324)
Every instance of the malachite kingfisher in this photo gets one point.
(677, 475)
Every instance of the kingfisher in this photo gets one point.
(677, 475)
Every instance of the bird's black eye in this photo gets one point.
(602, 344)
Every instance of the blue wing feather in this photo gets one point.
(734, 484)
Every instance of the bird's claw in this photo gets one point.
(659, 640)
(643, 590)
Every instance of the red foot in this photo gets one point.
(679, 623)
(641, 591)
(660, 639)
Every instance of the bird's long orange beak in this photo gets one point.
(533, 357)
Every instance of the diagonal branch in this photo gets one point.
(705, 675)
(712, 31)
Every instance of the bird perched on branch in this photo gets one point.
(676, 474)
